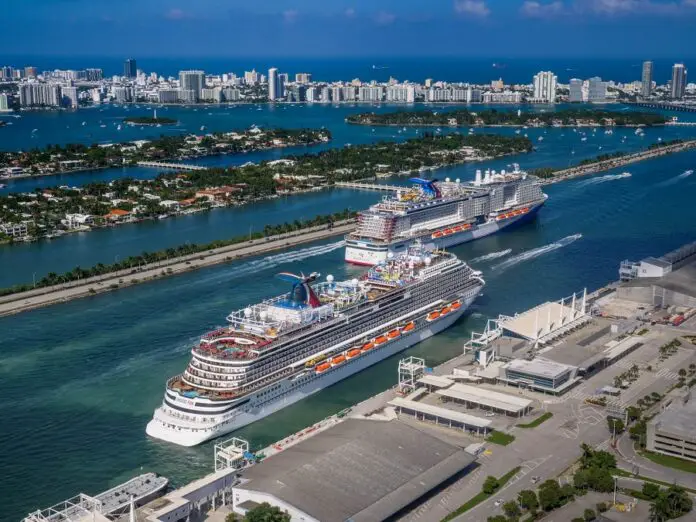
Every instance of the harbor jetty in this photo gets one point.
(600, 166)
(40, 297)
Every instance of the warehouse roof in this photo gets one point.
(360, 469)
(484, 397)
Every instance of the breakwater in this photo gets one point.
(600, 166)
(36, 298)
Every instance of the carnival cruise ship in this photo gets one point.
(444, 214)
(284, 349)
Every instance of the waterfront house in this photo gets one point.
(72, 221)
(116, 215)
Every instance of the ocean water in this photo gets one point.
(81, 379)
(450, 69)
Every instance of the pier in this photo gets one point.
(170, 166)
(369, 186)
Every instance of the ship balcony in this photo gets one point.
(215, 377)
(208, 384)
(204, 366)
(226, 352)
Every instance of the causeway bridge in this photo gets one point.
(370, 186)
(170, 166)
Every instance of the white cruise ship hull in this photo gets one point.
(292, 390)
(367, 253)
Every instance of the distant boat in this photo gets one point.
(118, 128)
(84, 123)
(103, 126)
(34, 130)
(202, 127)
(583, 139)
(540, 138)
(518, 131)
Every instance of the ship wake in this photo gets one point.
(491, 256)
(536, 252)
(676, 179)
(604, 179)
(273, 261)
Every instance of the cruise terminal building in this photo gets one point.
(360, 470)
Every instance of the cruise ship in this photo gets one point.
(279, 351)
(444, 214)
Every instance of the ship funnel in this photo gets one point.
(478, 177)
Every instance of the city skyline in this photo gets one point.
(522, 27)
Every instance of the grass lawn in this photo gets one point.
(670, 462)
(475, 501)
(498, 437)
(546, 416)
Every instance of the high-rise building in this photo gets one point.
(578, 93)
(6, 72)
(596, 90)
(646, 79)
(191, 81)
(251, 77)
(130, 69)
(273, 91)
(303, 78)
(123, 94)
(4, 103)
(545, 87)
(70, 97)
(678, 81)
(168, 96)
(30, 72)
(40, 95)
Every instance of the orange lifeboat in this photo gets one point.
(368, 346)
(353, 353)
(394, 334)
(456, 305)
(381, 340)
(410, 326)
(323, 367)
(525, 209)
(448, 231)
(466, 227)
(433, 315)
(445, 310)
(437, 234)
(338, 360)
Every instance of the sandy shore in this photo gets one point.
(21, 302)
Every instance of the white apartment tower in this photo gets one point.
(545, 86)
(273, 84)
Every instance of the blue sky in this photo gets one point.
(502, 28)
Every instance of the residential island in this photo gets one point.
(57, 159)
(55, 211)
(496, 118)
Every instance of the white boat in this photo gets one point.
(284, 349)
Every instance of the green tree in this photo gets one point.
(602, 507)
(233, 517)
(651, 490)
(497, 518)
(490, 485)
(549, 495)
(633, 413)
(512, 510)
(589, 515)
(528, 500)
(615, 425)
(266, 513)
(682, 373)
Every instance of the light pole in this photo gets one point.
(34, 278)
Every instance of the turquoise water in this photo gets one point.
(81, 379)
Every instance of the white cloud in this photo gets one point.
(290, 16)
(472, 7)
(645, 7)
(175, 14)
(535, 9)
(384, 18)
